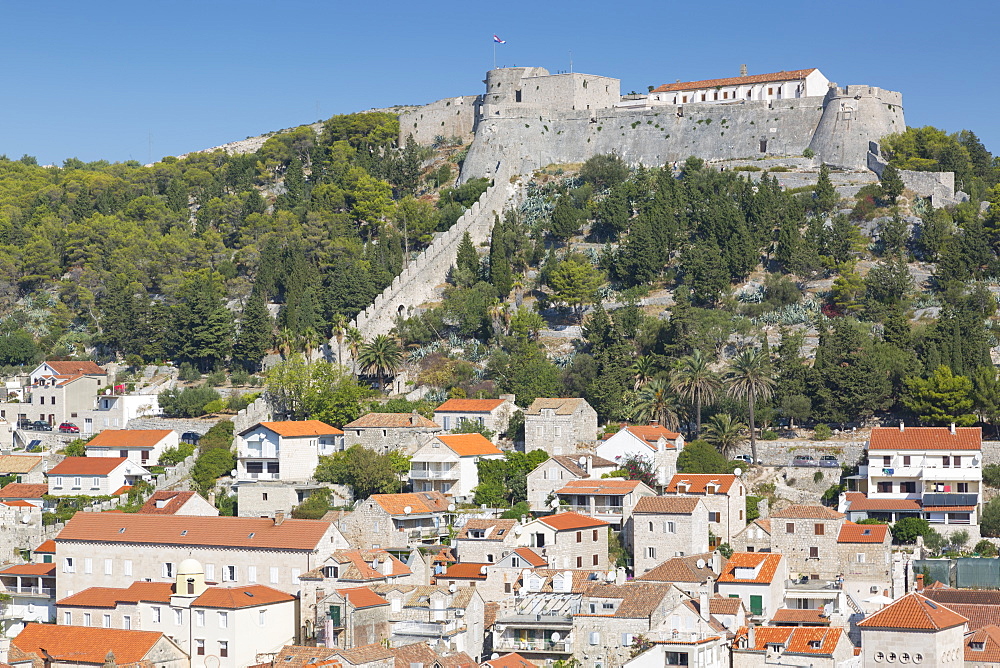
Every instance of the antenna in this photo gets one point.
(570, 62)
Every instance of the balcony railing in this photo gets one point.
(263, 476)
(422, 628)
(39, 591)
(595, 510)
(533, 645)
(420, 474)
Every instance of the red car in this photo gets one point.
(69, 428)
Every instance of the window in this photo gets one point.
(946, 461)
(884, 487)
(210, 572)
(906, 460)
(860, 557)
(199, 617)
(650, 527)
(814, 553)
(908, 487)
(595, 638)
(59, 482)
(819, 529)
(223, 648)
(106, 622)
(156, 614)
(223, 620)
(770, 91)
(199, 646)
(539, 431)
(95, 483)
(127, 622)
(702, 97)
(789, 527)
(41, 400)
(86, 619)
(579, 536)
(596, 560)
(447, 423)
(714, 517)
(886, 460)
(108, 566)
(68, 565)
(274, 575)
(296, 572)
(963, 487)
(68, 618)
(262, 618)
(595, 534)
(77, 483)
(251, 574)
(558, 431)
(741, 515)
(651, 552)
(168, 569)
(263, 496)
(229, 573)
(88, 565)
(179, 617)
(579, 562)
(489, 558)
(669, 527)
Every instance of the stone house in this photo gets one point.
(709, 651)
(511, 660)
(662, 527)
(502, 577)
(94, 476)
(139, 446)
(758, 579)
(610, 499)
(421, 654)
(559, 426)
(32, 591)
(865, 558)
(982, 647)
(556, 471)
(15, 492)
(216, 626)
(178, 503)
(486, 540)
(60, 391)
(705, 614)
(437, 615)
(688, 573)
(398, 520)
(448, 464)
(913, 629)
(766, 87)
(819, 647)
(352, 617)
(724, 496)
(756, 537)
(288, 451)
(384, 432)
(652, 442)
(364, 656)
(807, 537)
(29, 469)
(568, 540)
(494, 414)
(59, 646)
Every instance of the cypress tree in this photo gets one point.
(892, 183)
(255, 334)
(467, 258)
(826, 196)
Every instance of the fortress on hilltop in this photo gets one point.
(528, 118)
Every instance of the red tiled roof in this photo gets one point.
(983, 646)
(391, 421)
(363, 654)
(512, 660)
(77, 367)
(23, 490)
(47, 547)
(240, 532)
(608, 486)
(240, 597)
(808, 513)
(684, 569)
(417, 502)
(44, 570)
(698, 484)
(859, 502)
(86, 644)
(794, 75)
(360, 564)
(650, 434)
(469, 405)
(913, 611)
(493, 529)
(724, 605)
(467, 445)
(292, 428)
(111, 597)
(790, 616)
(926, 438)
(670, 505)
(572, 464)
(128, 438)
(940, 593)
(19, 463)
(796, 639)
(174, 501)
(532, 557)
(87, 466)
(949, 509)
(362, 597)
(469, 570)
(569, 520)
(862, 533)
(768, 566)
(18, 503)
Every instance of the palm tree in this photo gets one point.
(286, 341)
(725, 433)
(311, 339)
(643, 369)
(339, 326)
(695, 383)
(355, 339)
(518, 290)
(655, 401)
(749, 378)
(381, 357)
(499, 317)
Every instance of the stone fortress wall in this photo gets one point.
(450, 117)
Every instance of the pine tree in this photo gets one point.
(789, 243)
(825, 194)
(467, 259)
(255, 334)
(892, 183)
(501, 275)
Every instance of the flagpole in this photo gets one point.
(494, 53)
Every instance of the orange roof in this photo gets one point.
(240, 597)
(44, 570)
(608, 486)
(794, 616)
(925, 438)
(949, 509)
(767, 561)
(76, 367)
(469, 405)
(87, 466)
(650, 434)
(47, 547)
(86, 644)
(111, 597)
(796, 639)
(807, 513)
(174, 501)
(569, 520)
(676, 505)
(362, 597)
(914, 612)
(292, 428)
(862, 533)
(359, 564)
(129, 438)
(794, 75)
(531, 556)
(417, 502)
(467, 445)
(698, 483)
(983, 646)
(18, 503)
(512, 660)
(860, 502)
(19, 463)
(391, 421)
(23, 490)
(239, 532)
(469, 570)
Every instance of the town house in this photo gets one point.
(139, 446)
(448, 464)
(28, 469)
(865, 558)
(438, 615)
(60, 391)
(32, 591)
(756, 537)
(60, 646)
(397, 521)
(688, 650)
(913, 630)
(568, 540)
(94, 476)
(493, 414)
(652, 442)
(559, 426)
(556, 471)
(178, 503)
(384, 432)
(689, 573)
(287, 451)
(486, 540)
(22, 492)
(354, 617)
(724, 496)
(610, 499)
(758, 579)
(807, 537)
(662, 527)
(794, 647)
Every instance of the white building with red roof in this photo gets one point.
(494, 414)
(610, 499)
(32, 591)
(758, 579)
(60, 646)
(653, 442)
(166, 502)
(771, 86)
(140, 446)
(913, 630)
(662, 527)
(60, 391)
(390, 521)
(793, 646)
(94, 476)
(556, 471)
(287, 451)
(724, 496)
(448, 464)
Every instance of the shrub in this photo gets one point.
(314, 507)
(188, 372)
(907, 529)
(822, 432)
(219, 436)
(216, 378)
(985, 548)
(187, 402)
(818, 476)
(210, 466)
(216, 406)
(239, 377)
(768, 435)
(520, 508)
(174, 456)
(808, 153)
(991, 475)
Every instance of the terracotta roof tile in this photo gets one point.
(296, 656)
(231, 598)
(651, 434)
(768, 563)
(569, 520)
(392, 421)
(978, 615)
(926, 438)
(638, 599)
(609, 486)
(240, 532)
(418, 503)
(362, 597)
(967, 596)
(18, 503)
(913, 612)
(495, 529)
(949, 509)
(129, 438)
(364, 654)
(862, 533)
(23, 490)
(813, 640)
(468, 445)
(174, 501)
(421, 653)
(566, 406)
(859, 502)
(698, 483)
(467, 570)
(76, 368)
(111, 597)
(44, 570)
(572, 464)
(808, 513)
(790, 616)
(10, 464)
(48, 547)
(794, 75)
(292, 428)
(359, 567)
(724, 605)
(86, 644)
(983, 646)
(512, 660)
(532, 557)
(87, 466)
(469, 405)
(667, 505)
(684, 569)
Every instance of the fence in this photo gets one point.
(964, 572)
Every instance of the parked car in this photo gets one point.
(41, 425)
(24, 423)
(829, 462)
(803, 460)
(69, 428)
(746, 459)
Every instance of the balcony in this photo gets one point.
(261, 476)
(543, 619)
(595, 509)
(423, 628)
(532, 645)
(31, 591)
(421, 474)
(252, 453)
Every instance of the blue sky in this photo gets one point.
(139, 80)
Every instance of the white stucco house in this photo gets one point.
(94, 476)
(448, 464)
(139, 446)
(287, 451)
(652, 441)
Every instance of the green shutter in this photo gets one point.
(335, 614)
(756, 605)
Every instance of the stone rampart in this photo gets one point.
(450, 117)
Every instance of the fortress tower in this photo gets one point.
(854, 119)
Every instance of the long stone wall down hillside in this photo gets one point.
(419, 281)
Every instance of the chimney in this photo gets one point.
(620, 576)
(414, 418)
(751, 636)
(952, 429)
(743, 70)
(703, 603)
(902, 427)
(654, 423)
(920, 581)
(279, 517)
(386, 566)
(589, 466)
(211, 498)
(717, 562)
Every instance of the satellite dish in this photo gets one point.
(727, 622)
(233, 473)
(517, 529)
(737, 472)
(107, 392)
(494, 656)
(482, 569)
(582, 460)
(26, 519)
(610, 577)
(701, 563)
(554, 503)
(407, 510)
(452, 587)
(555, 636)
(451, 507)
